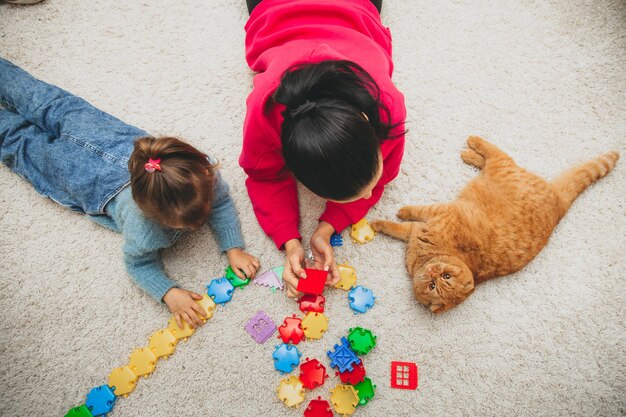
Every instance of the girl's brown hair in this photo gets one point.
(180, 194)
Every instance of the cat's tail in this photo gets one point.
(571, 183)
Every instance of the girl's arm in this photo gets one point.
(225, 224)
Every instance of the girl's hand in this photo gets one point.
(323, 255)
(242, 261)
(294, 261)
(183, 306)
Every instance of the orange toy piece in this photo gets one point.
(362, 232)
(122, 380)
(162, 343)
(142, 361)
(314, 325)
(348, 277)
(291, 391)
(179, 333)
(208, 305)
(345, 399)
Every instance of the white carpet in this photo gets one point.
(546, 81)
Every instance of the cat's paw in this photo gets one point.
(475, 143)
(471, 157)
(377, 225)
(404, 213)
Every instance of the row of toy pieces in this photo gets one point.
(356, 389)
(360, 232)
(162, 344)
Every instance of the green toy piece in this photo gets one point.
(365, 390)
(81, 411)
(361, 340)
(234, 279)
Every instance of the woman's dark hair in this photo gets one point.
(180, 192)
(332, 127)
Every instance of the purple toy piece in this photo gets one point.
(260, 327)
(269, 279)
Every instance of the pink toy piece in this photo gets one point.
(269, 279)
(318, 408)
(260, 327)
(312, 302)
(291, 330)
(403, 375)
(353, 377)
(312, 373)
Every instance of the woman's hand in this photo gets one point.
(294, 267)
(243, 261)
(323, 255)
(183, 306)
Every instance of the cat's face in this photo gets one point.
(442, 283)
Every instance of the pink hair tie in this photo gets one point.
(153, 165)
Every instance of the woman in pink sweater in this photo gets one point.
(324, 112)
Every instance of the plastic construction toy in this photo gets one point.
(343, 358)
(286, 358)
(348, 277)
(234, 279)
(100, 400)
(336, 239)
(404, 375)
(261, 327)
(345, 399)
(180, 332)
(312, 373)
(353, 377)
(220, 290)
(208, 306)
(362, 232)
(365, 390)
(314, 281)
(291, 330)
(318, 408)
(361, 299)
(312, 302)
(162, 343)
(81, 411)
(270, 279)
(122, 380)
(314, 325)
(290, 391)
(361, 340)
(142, 361)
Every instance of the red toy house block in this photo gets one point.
(314, 281)
(403, 375)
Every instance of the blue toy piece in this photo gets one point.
(336, 239)
(361, 299)
(220, 290)
(343, 357)
(286, 358)
(100, 400)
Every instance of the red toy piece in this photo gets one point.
(403, 375)
(318, 408)
(312, 302)
(353, 377)
(291, 330)
(314, 281)
(312, 373)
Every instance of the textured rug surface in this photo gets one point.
(545, 81)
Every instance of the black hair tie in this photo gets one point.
(302, 109)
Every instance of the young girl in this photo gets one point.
(324, 112)
(85, 159)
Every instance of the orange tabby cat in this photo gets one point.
(497, 224)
